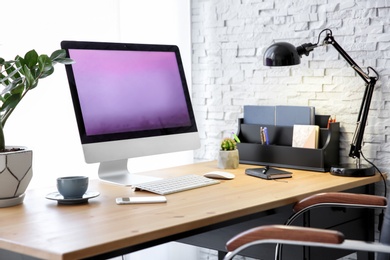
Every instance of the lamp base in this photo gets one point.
(351, 170)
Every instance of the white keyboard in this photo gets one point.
(176, 184)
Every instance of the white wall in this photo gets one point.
(229, 39)
(45, 121)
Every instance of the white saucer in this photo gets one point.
(61, 200)
(11, 201)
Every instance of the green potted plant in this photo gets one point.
(17, 78)
(228, 157)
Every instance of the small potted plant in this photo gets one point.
(228, 157)
(17, 78)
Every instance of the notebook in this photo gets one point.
(268, 173)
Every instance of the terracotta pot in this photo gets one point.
(228, 159)
(15, 175)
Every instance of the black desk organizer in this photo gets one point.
(280, 152)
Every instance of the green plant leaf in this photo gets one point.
(59, 56)
(11, 102)
(65, 61)
(18, 89)
(30, 79)
(31, 58)
(11, 86)
(22, 74)
(45, 66)
(47, 73)
(5, 97)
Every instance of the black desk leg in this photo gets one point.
(221, 255)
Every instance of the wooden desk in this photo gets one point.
(43, 229)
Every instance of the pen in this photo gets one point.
(236, 138)
(331, 120)
(262, 138)
(265, 131)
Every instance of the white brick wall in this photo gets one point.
(229, 38)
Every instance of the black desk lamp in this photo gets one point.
(285, 54)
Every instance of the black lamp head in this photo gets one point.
(286, 54)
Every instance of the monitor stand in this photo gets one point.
(116, 172)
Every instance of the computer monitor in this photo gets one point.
(130, 100)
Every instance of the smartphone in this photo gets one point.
(140, 200)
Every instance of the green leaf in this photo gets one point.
(59, 56)
(47, 73)
(20, 59)
(65, 61)
(30, 79)
(5, 97)
(21, 75)
(31, 58)
(18, 89)
(11, 102)
(44, 63)
(10, 86)
(45, 66)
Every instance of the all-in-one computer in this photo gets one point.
(130, 100)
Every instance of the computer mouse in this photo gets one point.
(220, 175)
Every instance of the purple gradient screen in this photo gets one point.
(127, 91)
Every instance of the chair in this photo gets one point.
(307, 236)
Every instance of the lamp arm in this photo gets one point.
(357, 139)
(305, 49)
(330, 40)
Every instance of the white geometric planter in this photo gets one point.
(15, 175)
(228, 159)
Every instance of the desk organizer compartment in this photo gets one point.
(280, 152)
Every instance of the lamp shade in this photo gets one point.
(281, 54)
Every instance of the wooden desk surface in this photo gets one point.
(41, 228)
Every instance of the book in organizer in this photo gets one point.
(279, 115)
(305, 136)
